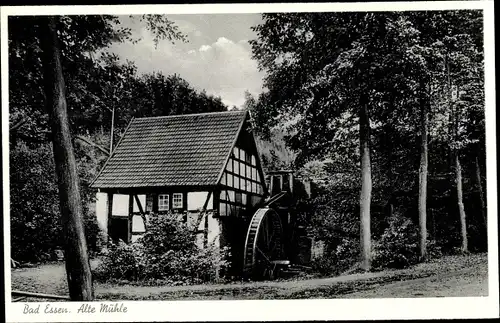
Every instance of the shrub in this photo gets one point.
(338, 259)
(121, 262)
(165, 254)
(433, 250)
(167, 233)
(398, 245)
(330, 218)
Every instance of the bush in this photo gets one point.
(338, 259)
(434, 251)
(398, 245)
(330, 218)
(167, 233)
(165, 254)
(121, 262)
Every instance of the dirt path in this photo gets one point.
(464, 283)
(448, 276)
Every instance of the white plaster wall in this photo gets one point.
(142, 199)
(101, 211)
(138, 224)
(120, 205)
(213, 230)
(195, 200)
(135, 237)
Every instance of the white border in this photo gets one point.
(352, 309)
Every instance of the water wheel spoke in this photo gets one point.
(263, 254)
(272, 240)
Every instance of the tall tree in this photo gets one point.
(66, 44)
(325, 70)
(76, 256)
(452, 45)
(423, 173)
(91, 89)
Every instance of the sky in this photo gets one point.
(216, 58)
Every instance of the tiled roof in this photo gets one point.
(174, 150)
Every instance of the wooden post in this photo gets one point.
(184, 206)
(110, 216)
(141, 210)
(78, 271)
(130, 216)
(155, 202)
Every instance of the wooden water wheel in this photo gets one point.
(263, 245)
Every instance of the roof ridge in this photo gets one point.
(192, 114)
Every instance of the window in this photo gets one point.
(223, 179)
(163, 202)
(242, 154)
(223, 195)
(249, 186)
(236, 167)
(254, 162)
(230, 196)
(230, 165)
(249, 172)
(236, 152)
(242, 169)
(229, 180)
(177, 201)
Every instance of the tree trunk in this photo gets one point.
(454, 118)
(366, 187)
(422, 185)
(481, 194)
(461, 210)
(77, 262)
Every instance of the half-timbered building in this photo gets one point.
(197, 164)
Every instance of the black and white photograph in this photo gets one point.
(338, 155)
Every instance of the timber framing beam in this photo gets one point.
(141, 210)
